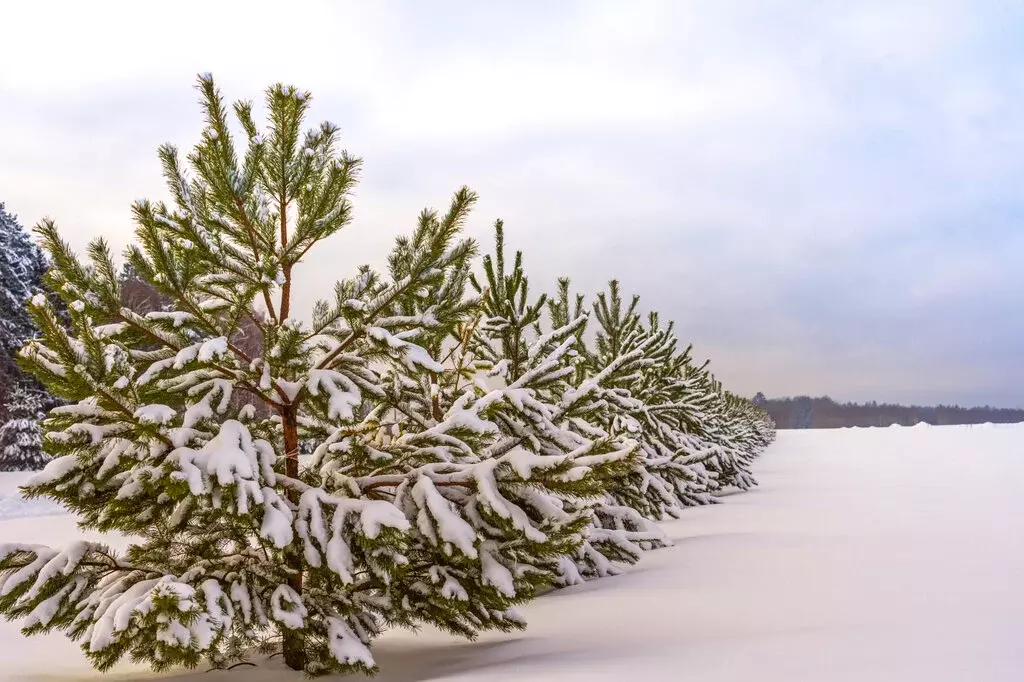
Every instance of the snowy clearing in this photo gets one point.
(865, 554)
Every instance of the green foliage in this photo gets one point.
(470, 448)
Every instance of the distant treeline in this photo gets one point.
(805, 412)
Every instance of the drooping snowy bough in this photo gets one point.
(470, 450)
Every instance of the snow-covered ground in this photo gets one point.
(13, 506)
(865, 554)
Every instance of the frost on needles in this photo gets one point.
(470, 450)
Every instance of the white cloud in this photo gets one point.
(745, 166)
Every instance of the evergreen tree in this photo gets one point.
(633, 388)
(652, 402)
(429, 497)
(21, 445)
(694, 438)
(513, 343)
(670, 406)
(21, 268)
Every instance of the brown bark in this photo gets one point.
(286, 293)
(294, 643)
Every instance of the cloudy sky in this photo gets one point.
(824, 195)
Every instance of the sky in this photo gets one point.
(825, 196)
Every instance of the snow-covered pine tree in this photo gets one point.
(21, 268)
(520, 354)
(752, 428)
(407, 513)
(716, 420)
(694, 439)
(646, 403)
(21, 445)
(503, 515)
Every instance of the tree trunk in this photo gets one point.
(293, 646)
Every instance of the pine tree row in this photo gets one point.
(473, 444)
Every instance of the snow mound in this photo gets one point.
(14, 506)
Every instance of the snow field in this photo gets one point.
(12, 505)
(864, 554)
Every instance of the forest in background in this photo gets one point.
(805, 412)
